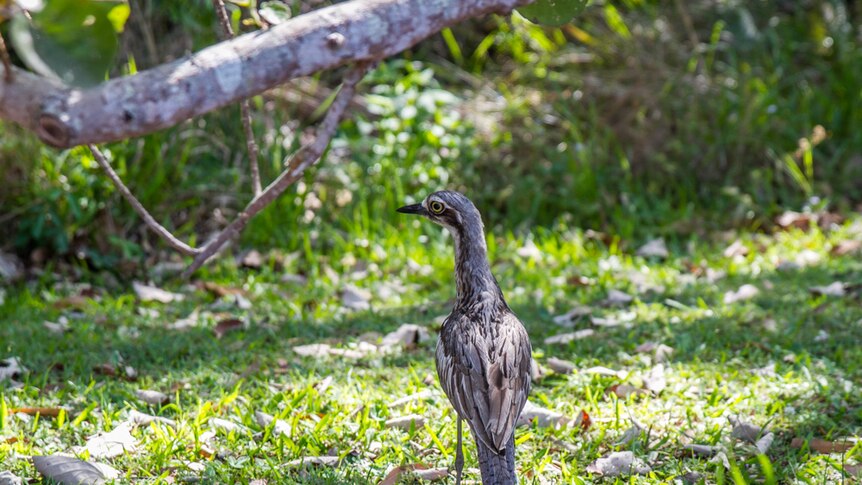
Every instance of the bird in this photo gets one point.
(483, 354)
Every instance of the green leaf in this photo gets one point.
(118, 16)
(274, 12)
(615, 21)
(71, 40)
(553, 12)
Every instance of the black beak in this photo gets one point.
(413, 209)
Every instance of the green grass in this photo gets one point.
(785, 359)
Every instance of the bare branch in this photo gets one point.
(244, 108)
(251, 146)
(139, 208)
(349, 32)
(223, 19)
(302, 159)
(7, 63)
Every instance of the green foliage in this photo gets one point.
(614, 123)
(75, 40)
(553, 12)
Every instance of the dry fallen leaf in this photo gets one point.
(618, 464)
(11, 267)
(155, 398)
(616, 320)
(721, 457)
(406, 422)
(560, 366)
(836, 288)
(140, 419)
(420, 470)
(227, 325)
(623, 391)
(9, 478)
(10, 368)
(252, 259)
(736, 249)
(825, 446)
(569, 318)
(765, 442)
(745, 431)
(849, 246)
(394, 474)
(68, 470)
(225, 425)
(431, 474)
(60, 327)
(543, 417)
(408, 335)
(583, 420)
(745, 292)
(313, 460)
(280, 427)
(529, 250)
(565, 338)
(790, 219)
(114, 443)
(295, 279)
(219, 290)
(617, 297)
(807, 257)
(655, 381)
(702, 450)
(312, 350)
(324, 384)
(151, 293)
(41, 411)
(605, 371)
(660, 351)
(630, 434)
(654, 249)
(424, 394)
(355, 298)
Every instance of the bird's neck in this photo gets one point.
(473, 278)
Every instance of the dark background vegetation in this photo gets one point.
(640, 119)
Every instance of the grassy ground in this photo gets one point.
(785, 359)
(674, 119)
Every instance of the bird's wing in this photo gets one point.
(487, 378)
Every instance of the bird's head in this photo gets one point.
(449, 209)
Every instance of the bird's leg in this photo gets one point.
(459, 456)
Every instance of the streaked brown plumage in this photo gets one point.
(484, 353)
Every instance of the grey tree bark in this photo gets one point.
(347, 33)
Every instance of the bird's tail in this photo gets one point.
(497, 468)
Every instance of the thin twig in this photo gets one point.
(223, 19)
(244, 108)
(302, 159)
(251, 145)
(689, 27)
(139, 208)
(7, 62)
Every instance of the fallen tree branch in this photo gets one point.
(244, 108)
(161, 97)
(139, 208)
(302, 159)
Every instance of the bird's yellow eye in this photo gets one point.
(436, 207)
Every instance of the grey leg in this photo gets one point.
(459, 456)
